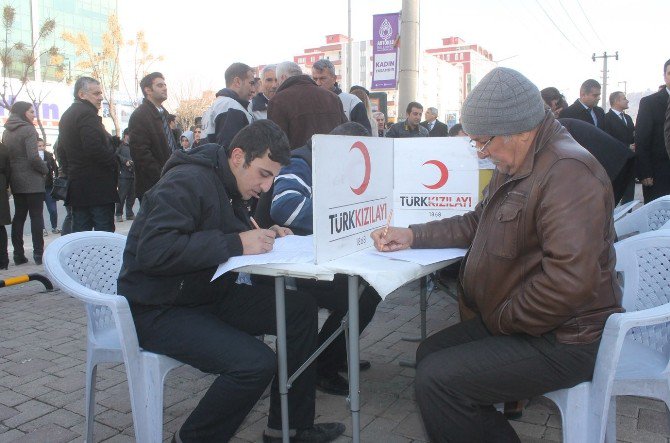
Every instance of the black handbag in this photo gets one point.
(59, 190)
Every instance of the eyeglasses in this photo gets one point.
(473, 144)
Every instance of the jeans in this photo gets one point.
(67, 222)
(463, 370)
(24, 204)
(88, 218)
(51, 207)
(218, 338)
(127, 195)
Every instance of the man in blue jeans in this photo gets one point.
(194, 218)
(92, 166)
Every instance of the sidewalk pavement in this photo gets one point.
(42, 367)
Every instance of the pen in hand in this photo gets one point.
(388, 223)
(253, 222)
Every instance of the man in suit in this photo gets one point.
(586, 106)
(653, 163)
(621, 127)
(435, 127)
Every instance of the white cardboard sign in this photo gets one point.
(352, 192)
(434, 178)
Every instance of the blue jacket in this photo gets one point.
(292, 193)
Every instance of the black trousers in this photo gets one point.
(25, 204)
(218, 338)
(88, 218)
(334, 297)
(463, 370)
(126, 195)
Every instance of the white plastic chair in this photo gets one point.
(649, 217)
(623, 209)
(634, 353)
(86, 266)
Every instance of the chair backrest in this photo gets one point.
(644, 262)
(649, 217)
(623, 209)
(86, 265)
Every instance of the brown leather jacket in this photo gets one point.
(541, 255)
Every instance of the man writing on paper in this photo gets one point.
(192, 220)
(539, 272)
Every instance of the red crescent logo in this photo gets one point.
(444, 174)
(366, 157)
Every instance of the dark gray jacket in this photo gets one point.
(28, 169)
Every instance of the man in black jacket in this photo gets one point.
(435, 127)
(91, 160)
(620, 126)
(192, 220)
(653, 163)
(586, 107)
(126, 179)
(151, 139)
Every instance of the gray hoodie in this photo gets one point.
(28, 170)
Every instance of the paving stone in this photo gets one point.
(7, 412)
(528, 429)
(115, 419)
(29, 410)
(653, 421)
(411, 427)
(11, 436)
(59, 417)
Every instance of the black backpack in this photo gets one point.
(262, 211)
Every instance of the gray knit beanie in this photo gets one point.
(504, 102)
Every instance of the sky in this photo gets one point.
(549, 41)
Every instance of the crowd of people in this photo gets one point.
(535, 289)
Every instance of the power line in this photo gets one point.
(589, 22)
(560, 2)
(557, 28)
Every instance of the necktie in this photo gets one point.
(623, 119)
(172, 143)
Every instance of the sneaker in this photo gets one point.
(55, 231)
(119, 218)
(333, 384)
(319, 432)
(130, 217)
(45, 233)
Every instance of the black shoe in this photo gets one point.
(333, 384)
(364, 365)
(38, 259)
(318, 433)
(130, 217)
(20, 260)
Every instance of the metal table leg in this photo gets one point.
(423, 307)
(281, 354)
(354, 360)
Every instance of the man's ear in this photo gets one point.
(237, 157)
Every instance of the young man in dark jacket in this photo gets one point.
(192, 220)
(126, 179)
(151, 139)
(91, 160)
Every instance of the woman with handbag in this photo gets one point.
(49, 185)
(27, 179)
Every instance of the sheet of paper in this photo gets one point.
(423, 257)
(289, 249)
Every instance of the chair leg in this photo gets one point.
(610, 429)
(91, 371)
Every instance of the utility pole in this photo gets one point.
(625, 84)
(408, 76)
(604, 90)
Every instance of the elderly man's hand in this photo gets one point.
(394, 240)
(281, 231)
(257, 241)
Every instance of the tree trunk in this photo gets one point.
(42, 131)
(115, 118)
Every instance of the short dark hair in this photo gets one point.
(40, 139)
(360, 88)
(82, 83)
(197, 120)
(614, 97)
(171, 117)
(236, 70)
(665, 66)
(411, 105)
(550, 94)
(350, 128)
(588, 85)
(148, 80)
(454, 130)
(260, 137)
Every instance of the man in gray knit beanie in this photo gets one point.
(538, 282)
